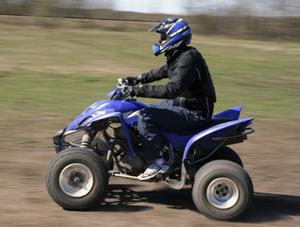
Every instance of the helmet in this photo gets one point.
(177, 31)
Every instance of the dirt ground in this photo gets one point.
(270, 156)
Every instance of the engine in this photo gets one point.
(119, 134)
(135, 165)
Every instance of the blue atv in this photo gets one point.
(109, 145)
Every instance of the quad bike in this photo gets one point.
(109, 145)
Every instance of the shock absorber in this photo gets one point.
(87, 138)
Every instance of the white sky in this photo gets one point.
(188, 7)
(158, 6)
(154, 6)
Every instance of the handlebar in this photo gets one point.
(118, 94)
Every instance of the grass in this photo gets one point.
(59, 73)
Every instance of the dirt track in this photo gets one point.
(274, 168)
(270, 156)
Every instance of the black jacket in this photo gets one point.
(190, 84)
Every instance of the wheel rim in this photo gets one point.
(76, 180)
(222, 193)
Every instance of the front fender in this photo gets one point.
(110, 114)
(222, 130)
(124, 125)
(101, 109)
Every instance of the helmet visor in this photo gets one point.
(163, 37)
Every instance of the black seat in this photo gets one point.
(211, 123)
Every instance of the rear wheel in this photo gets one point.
(226, 153)
(222, 190)
(76, 179)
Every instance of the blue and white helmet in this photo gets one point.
(178, 33)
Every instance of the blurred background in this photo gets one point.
(277, 19)
(57, 57)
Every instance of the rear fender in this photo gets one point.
(231, 113)
(222, 130)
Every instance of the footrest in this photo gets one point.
(178, 185)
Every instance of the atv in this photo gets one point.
(109, 146)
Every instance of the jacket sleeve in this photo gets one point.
(154, 75)
(183, 77)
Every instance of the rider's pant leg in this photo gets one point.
(163, 117)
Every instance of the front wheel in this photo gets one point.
(222, 190)
(76, 179)
(101, 145)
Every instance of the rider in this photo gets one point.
(190, 92)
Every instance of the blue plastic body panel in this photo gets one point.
(175, 139)
(181, 141)
(101, 108)
(119, 115)
(107, 109)
(232, 113)
(224, 130)
(131, 121)
(117, 91)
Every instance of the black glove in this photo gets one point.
(133, 80)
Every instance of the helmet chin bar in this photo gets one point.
(156, 49)
(159, 49)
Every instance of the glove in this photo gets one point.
(133, 80)
(127, 90)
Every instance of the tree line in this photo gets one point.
(239, 20)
